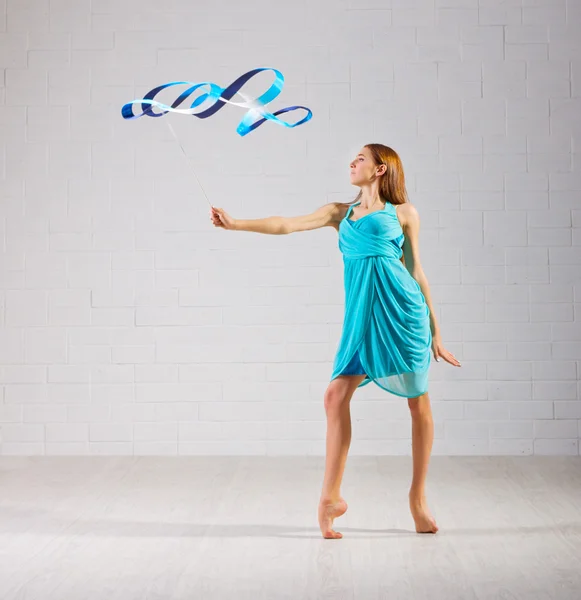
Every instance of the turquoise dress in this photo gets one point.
(386, 329)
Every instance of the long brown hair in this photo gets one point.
(392, 183)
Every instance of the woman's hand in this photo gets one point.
(439, 351)
(221, 218)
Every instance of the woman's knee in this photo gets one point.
(419, 405)
(337, 395)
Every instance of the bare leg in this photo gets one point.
(422, 440)
(337, 408)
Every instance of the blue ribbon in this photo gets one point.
(255, 116)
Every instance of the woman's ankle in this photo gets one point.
(330, 498)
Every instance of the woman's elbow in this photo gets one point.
(419, 276)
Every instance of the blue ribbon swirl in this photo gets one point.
(254, 117)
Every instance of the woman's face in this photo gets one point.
(362, 168)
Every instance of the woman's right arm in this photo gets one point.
(326, 215)
(272, 225)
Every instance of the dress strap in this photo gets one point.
(348, 213)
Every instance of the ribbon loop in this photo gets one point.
(254, 117)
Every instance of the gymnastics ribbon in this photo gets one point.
(254, 117)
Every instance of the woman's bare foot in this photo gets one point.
(424, 521)
(327, 512)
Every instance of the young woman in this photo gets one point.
(389, 325)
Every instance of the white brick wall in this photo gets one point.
(129, 325)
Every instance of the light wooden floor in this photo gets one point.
(206, 528)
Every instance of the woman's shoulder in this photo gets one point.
(342, 208)
(406, 213)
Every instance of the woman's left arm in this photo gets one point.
(410, 219)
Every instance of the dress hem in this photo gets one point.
(371, 379)
(368, 379)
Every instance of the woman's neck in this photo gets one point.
(370, 199)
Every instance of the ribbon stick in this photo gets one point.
(184, 152)
(219, 97)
